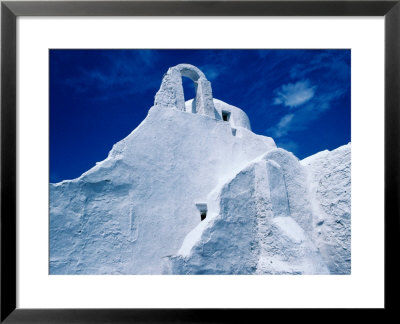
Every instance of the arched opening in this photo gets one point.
(190, 76)
(175, 90)
(190, 72)
(189, 91)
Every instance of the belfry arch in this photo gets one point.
(171, 93)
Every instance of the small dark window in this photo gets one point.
(225, 115)
(203, 215)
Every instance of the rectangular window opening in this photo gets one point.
(226, 115)
(202, 208)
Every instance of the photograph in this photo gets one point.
(199, 162)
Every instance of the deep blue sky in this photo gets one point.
(301, 98)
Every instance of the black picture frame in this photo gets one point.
(10, 10)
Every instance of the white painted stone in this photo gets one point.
(330, 186)
(138, 211)
(171, 94)
(134, 208)
(296, 182)
(250, 232)
(238, 117)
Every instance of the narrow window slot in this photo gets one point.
(202, 208)
(226, 115)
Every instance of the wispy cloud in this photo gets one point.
(124, 74)
(218, 63)
(300, 101)
(149, 57)
(294, 94)
(332, 64)
(211, 72)
(282, 127)
(299, 119)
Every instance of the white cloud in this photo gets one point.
(294, 94)
(281, 129)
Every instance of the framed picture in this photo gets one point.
(63, 67)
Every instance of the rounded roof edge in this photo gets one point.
(239, 117)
